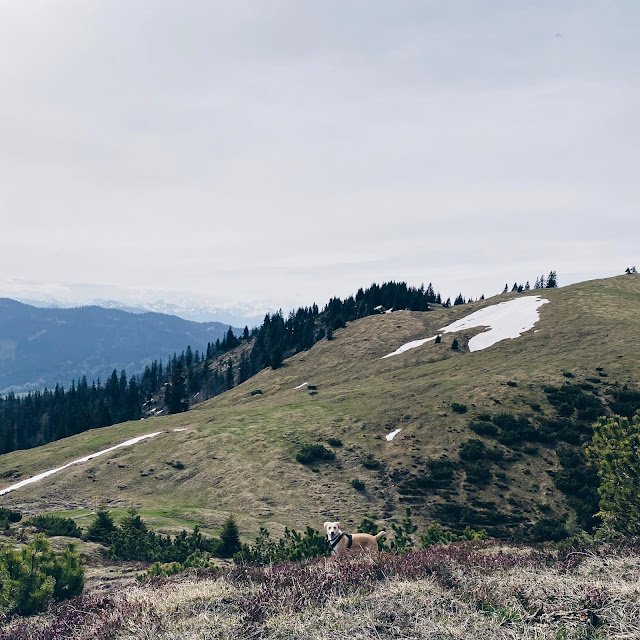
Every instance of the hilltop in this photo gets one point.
(237, 452)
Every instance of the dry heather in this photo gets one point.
(466, 590)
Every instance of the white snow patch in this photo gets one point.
(389, 310)
(505, 320)
(407, 346)
(304, 384)
(393, 434)
(46, 474)
(183, 429)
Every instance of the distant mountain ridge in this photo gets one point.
(237, 316)
(40, 347)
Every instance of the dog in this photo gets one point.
(350, 542)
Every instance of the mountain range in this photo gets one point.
(40, 347)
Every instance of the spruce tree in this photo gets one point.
(177, 394)
(229, 538)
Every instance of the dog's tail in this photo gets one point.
(382, 533)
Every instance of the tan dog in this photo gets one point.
(355, 543)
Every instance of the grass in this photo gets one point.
(464, 591)
(239, 450)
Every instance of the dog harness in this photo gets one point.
(334, 544)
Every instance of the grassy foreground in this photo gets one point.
(464, 590)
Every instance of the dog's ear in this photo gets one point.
(339, 525)
(326, 524)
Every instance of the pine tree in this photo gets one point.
(614, 452)
(102, 527)
(229, 538)
(552, 280)
(229, 374)
(177, 393)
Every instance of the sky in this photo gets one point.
(279, 153)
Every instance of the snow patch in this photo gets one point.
(46, 474)
(393, 434)
(183, 429)
(304, 384)
(407, 346)
(505, 320)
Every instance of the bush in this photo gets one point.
(512, 383)
(197, 560)
(133, 540)
(370, 462)
(334, 442)
(358, 485)
(256, 392)
(483, 428)
(477, 474)
(437, 535)
(7, 516)
(34, 575)
(459, 408)
(454, 344)
(293, 547)
(473, 449)
(314, 452)
(56, 526)
(548, 529)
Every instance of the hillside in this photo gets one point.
(42, 347)
(238, 450)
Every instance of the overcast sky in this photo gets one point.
(285, 151)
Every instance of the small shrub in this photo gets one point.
(568, 374)
(438, 339)
(477, 474)
(334, 442)
(358, 485)
(495, 454)
(548, 529)
(256, 392)
(485, 417)
(314, 452)
(458, 407)
(512, 383)
(530, 450)
(370, 462)
(473, 449)
(292, 547)
(454, 344)
(56, 526)
(7, 516)
(34, 575)
(483, 428)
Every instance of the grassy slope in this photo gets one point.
(239, 450)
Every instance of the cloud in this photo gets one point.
(288, 149)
